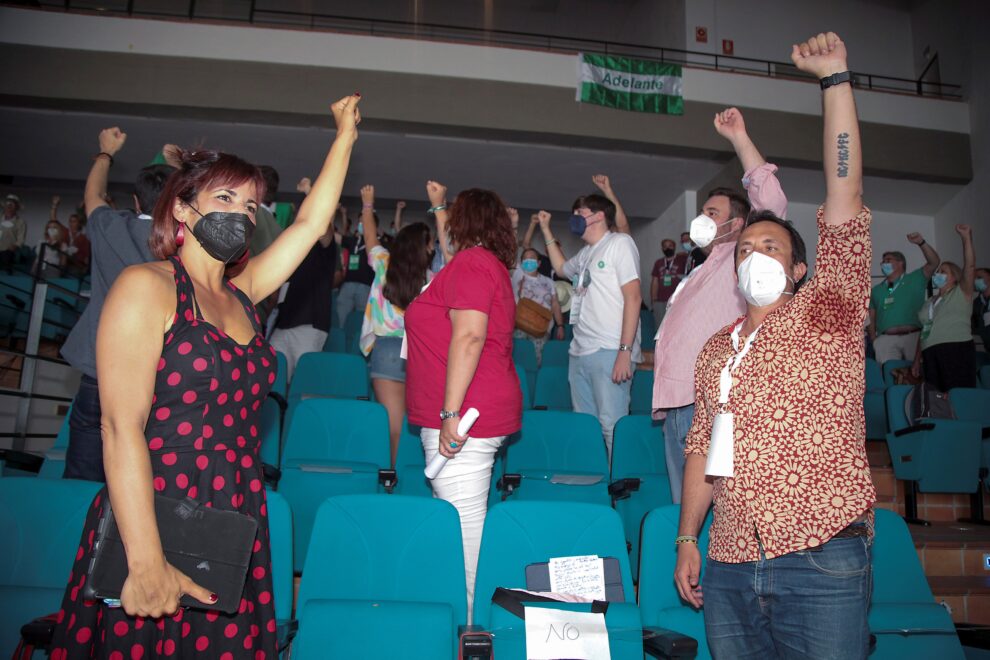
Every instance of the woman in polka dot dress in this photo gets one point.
(183, 370)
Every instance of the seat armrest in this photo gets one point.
(664, 643)
(39, 632)
(271, 474)
(475, 643)
(916, 428)
(509, 482)
(388, 479)
(540, 408)
(285, 632)
(22, 460)
(280, 400)
(623, 488)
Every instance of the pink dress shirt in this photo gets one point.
(707, 302)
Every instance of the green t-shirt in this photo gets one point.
(897, 304)
(950, 319)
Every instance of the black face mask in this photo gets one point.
(669, 252)
(224, 235)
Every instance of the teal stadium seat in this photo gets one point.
(647, 327)
(336, 341)
(410, 463)
(352, 332)
(384, 579)
(904, 617)
(659, 601)
(639, 475)
(271, 432)
(526, 386)
(281, 384)
(873, 402)
(332, 447)
(329, 375)
(555, 354)
(16, 293)
(524, 355)
(42, 521)
(557, 456)
(984, 377)
(641, 393)
(553, 391)
(518, 534)
(939, 456)
(973, 405)
(280, 534)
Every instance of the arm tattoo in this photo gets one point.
(842, 143)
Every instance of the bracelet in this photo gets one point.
(552, 241)
(836, 79)
(103, 153)
(368, 207)
(442, 207)
(923, 241)
(686, 538)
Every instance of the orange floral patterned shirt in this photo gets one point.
(800, 472)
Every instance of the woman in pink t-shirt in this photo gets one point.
(459, 351)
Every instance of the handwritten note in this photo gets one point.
(582, 576)
(553, 634)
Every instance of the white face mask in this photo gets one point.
(704, 230)
(52, 232)
(762, 279)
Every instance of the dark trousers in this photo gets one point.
(84, 457)
(950, 365)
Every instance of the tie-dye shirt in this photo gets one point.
(381, 317)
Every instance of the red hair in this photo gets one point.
(200, 170)
(478, 217)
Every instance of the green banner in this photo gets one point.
(630, 84)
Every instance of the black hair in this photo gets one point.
(149, 185)
(270, 174)
(738, 204)
(799, 253)
(595, 203)
(409, 260)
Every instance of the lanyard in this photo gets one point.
(932, 305)
(892, 289)
(725, 379)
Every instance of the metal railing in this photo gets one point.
(260, 13)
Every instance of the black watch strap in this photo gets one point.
(836, 79)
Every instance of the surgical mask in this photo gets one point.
(687, 247)
(224, 235)
(530, 265)
(578, 224)
(669, 252)
(980, 284)
(704, 229)
(360, 228)
(52, 232)
(939, 280)
(762, 279)
(887, 268)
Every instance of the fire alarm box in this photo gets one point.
(727, 47)
(701, 34)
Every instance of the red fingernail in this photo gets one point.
(357, 94)
(214, 598)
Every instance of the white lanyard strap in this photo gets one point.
(725, 379)
(932, 306)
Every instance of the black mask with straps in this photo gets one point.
(224, 235)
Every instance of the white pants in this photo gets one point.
(895, 347)
(464, 482)
(296, 341)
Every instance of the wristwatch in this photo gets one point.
(836, 79)
(448, 414)
(625, 347)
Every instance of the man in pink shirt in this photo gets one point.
(708, 299)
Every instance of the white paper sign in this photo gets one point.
(554, 634)
(582, 576)
(720, 450)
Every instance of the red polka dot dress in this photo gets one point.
(203, 439)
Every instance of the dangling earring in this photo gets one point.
(180, 235)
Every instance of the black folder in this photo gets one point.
(211, 546)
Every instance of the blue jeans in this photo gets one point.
(593, 392)
(806, 604)
(352, 296)
(84, 456)
(675, 430)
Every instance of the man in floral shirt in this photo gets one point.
(778, 435)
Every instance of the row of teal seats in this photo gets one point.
(549, 389)
(63, 305)
(372, 568)
(941, 455)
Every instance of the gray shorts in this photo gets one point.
(385, 361)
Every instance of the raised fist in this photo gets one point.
(400, 205)
(821, 55)
(729, 124)
(964, 230)
(304, 185)
(436, 192)
(513, 216)
(346, 115)
(534, 219)
(916, 238)
(601, 180)
(56, 200)
(544, 219)
(112, 140)
(367, 195)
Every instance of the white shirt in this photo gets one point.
(598, 272)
